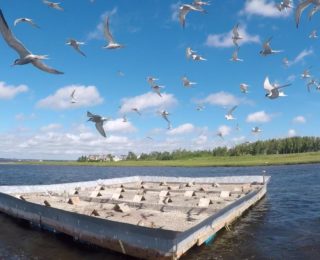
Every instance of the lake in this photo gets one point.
(283, 225)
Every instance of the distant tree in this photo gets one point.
(131, 156)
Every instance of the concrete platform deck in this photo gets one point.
(141, 216)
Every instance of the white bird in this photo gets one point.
(244, 88)
(136, 110)
(200, 107)
(76, 45)
(229, 115)
(311, 83)
(25, 55)
(72, 97)
(165, 115)
(193, 55)
(313, 34)
(267, 49)
(53, 5)
(26, 20)
(302, 6)
(152, 80)
(112, 43)
(306, 74)
(273, 89)
(184, 10)
(256, 130)
(235, 56)
(98, 120)
(235, 35)
(157, 89)
(186, 82)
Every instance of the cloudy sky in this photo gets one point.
(38, 120)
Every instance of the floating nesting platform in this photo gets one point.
(142, 216)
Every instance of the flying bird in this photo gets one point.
(200, 107)
(26, 20)
(302, 6)
(185, 9)
(313, 11)
(256, 130)
(244, 88)
(98, 120)
(165, 115)
(284, 5)
(124, 119)
(273, 89)
(157, 89)
(235, 56)
(267, 49)
(313, 34)
(193, 55)
(235, 35)
(53, 5)
(72, 97)
(200, 4)
(229, 115)
(312, 82)
(76, 45)
(285, 62)
(152, 80)
(25, 55)
(112, 43)
(136, 110)
(186, 82)
(306, 74)
(220, 134)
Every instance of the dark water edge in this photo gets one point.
(283, 225)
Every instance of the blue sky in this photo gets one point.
(38, 120)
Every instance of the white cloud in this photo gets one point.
(265, 8)
(258, 117)
(97, 34)
(175, 11)
(146, 101)
(182, 129)
(118, 125)
(225, 39)
(292, 133)
(200, 140)
(84, 96)
(300, 57)
(224, 130)
(10, 91)
(23, 117)
(50, 127)
(299, 120)
(221, 99)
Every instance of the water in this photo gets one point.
(284, 225)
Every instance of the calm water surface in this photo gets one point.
(284, 225)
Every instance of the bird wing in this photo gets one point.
(99, 126)
(106, 31)
(32, 23)
(16, 21)
(300, 9)
(267, 85)
(231, 110)
(89, 114)
(235, 31)
(266, 44)
(182, 15)
(313, 11)
(77, 48)
(10, 39)
(72, 94)
(40, 65)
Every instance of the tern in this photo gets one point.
(306, 74)
(112, 43)
(313, 34)
(76, 45)
(98, 120)
(25, 55)
(53, 5)
(193, 55)
(26, 20)
(165, 115)
(185, 9)
(256, 130)
(235, 56)
(72, 98)
(311, 83)
(229, 115)
(273, 89)
(136, 110)
(152, 80)
(235, 35)
(157, 89)
(244, 88)
(302, 6)
(267, 49)
(284, 5)
(186, 82)
(200, 107)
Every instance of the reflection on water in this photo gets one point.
(283, 225)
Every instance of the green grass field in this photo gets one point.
(248, 160)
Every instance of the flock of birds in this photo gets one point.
(273, 91)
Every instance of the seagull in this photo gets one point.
(311, 83)
(267, 49)
(273, 89)
(186, 82)
(185, 9)
(244, 88)
(26, 20)
(157, 89)
(313, 34)
(306, 74)
(25, 55)
(235, 35)
(76, 45)
(53, 5)
(229, 115)
(303, 5)
(235, 56)
(165, 115)
(73, 100)
(256, 130)
(285, 62)
(98, 120)
(200, 107)
(136, 110)
(112, 44)
(151, 80)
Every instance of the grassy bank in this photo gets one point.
(248, 160)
